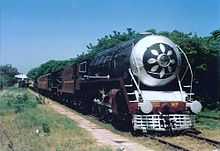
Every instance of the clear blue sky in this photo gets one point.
(34, 31)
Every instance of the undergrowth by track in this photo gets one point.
(26, 124)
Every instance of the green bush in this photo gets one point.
(46, 128)
(16, 101)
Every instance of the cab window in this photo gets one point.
(83, 67)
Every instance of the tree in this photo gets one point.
(216, 34)
(7, 73)
(47, 67)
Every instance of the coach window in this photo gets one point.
(82, 67)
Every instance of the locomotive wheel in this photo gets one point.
(62, 100)
(101, 114)
(135, 133)
(85, 107)
(120, 123)
(69, 102)
(115, 121)
(108, 116)
(94, 109)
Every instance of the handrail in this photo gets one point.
(190, 68)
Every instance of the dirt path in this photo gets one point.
(102, 136)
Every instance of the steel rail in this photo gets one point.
(174, 146)
(211, 117)
(208, 140)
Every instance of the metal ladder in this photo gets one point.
(131, 92)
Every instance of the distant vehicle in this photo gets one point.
(137, 84)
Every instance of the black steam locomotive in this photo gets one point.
(136, 84)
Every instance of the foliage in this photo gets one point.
(208, 123)
(15, 101)
(7, 73)
(45, 127)
(110, 40)
(216, 34)
(50, 66)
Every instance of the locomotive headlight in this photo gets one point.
(146, 106)
(195, 106)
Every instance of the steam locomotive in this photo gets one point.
(137, 84)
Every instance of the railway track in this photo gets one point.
(209, 117)
(181, 147)
(174, 146)
(178, 147)
(208, 140)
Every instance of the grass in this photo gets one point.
(208, 123)
(211, 113)
(16, 100)
(31, 126)
(208, 126)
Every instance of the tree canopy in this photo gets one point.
(7, 73)
(49, 66)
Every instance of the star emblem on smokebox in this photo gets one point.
(160, 60)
